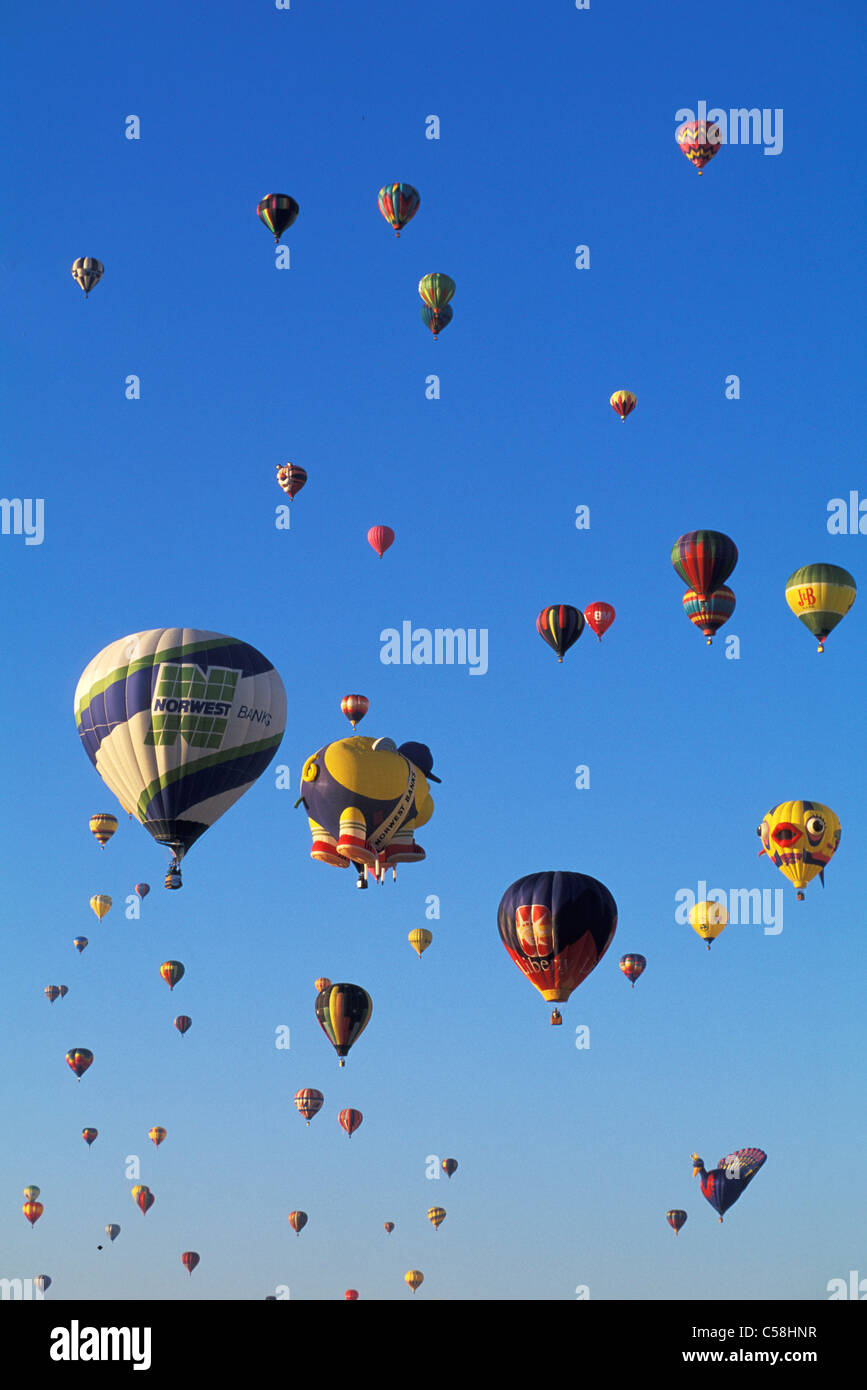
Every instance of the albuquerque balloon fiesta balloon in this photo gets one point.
(436, 319)
(182, 1023)
(143, 1198)
(437, 1216)
(436, 290)
(64, 990)
(355, 707)
(389, 1227)
(157, 1135)
(102, 826)
(189, 1260)
(278, 211)
(179, 723)
(675, 1219)
(699, 141)
(142, 889)
(800, 837)
(708, 919)
(31, 1192)
(623, 403)
(291, 478)
(88, 1135)
(351, 1295)
(112, 1230)
(79, 1059)
(820, 595)
(414, 1278)
(33, 1211)
(704, 560)
(87, 271)
(51, 993)
(308, 1102)
(364, 799)
(101, 904)
(343, 1012)
(708, 613)
(398, 203)
(599, 616)
(557, 926)
(350, 1120)
(632, 967)
(725, 1183)
(297, 1220)
(560, 625)
(42, 1282)
(419, 939)
(79, 942)
(322, 983)
(380, 537)
(450, 1165)
(172, 971)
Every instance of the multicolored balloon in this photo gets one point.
(189, 1260)
(419, 939)
(102, 826)
(322, 983)
(343, 1012)
(436, 1215)
(623, 403)
(708, 919)
(308, 1102)
(291, 478)
(355, 707)
(182, 1023)
(350, 1120)
(436, 319)
(278, 211)
(87, 271)
(156, 1135)
(297, 1220)
(675, 1219)
(79, 1059)
(398, 203)
(557, 926)
(414, 1278)
(599, 616)
(79, 942)
(42, 1282)
(112, 1230)
(704, 560)
(560, 625)
(820, 595)
(143, 1198)
(33, 1211)
(708, 613)
(101, 904)
(51, 993)
(436, 290)
(800, 837)
(632, 967)
(380, 537)
(88, 1135)
(699, 141)
(31, 1192)
(142, 889)
(172, 971)
(389, 1227)
(725, 1183)
(179, 723)
(449, 1166)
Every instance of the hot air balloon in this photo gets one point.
(87, 271)
(704, 560)
(389, 1227)
(33, 1211)
(351, 1295)
(820, 595)
(599, 616)
(398, 203)
(31, 1192)
(102, 826)
(79, 942)
(343, 1012)
(64, 990)
(414, 1278)
(450, 1165)
(297, 1220)
(557, 926)
(291, 478)
(157, 1135)
(380, 537)
(623, 403)
(172, 971)
(699, 141)
(179, 723)
(189, 1260)
(51, 993)
(436, 290)
(278, 211)
(350, 1120)
(308, 1103)
(632, 967)
(560, 625)
(710, 611)
(183, 1022)
(800, 837)
(322, 983)
(79, 1059)
(42, 1282)
(355, 707)
(675, 1219)
(101, 904)
(419, 939)
(708, 919)
(143, 1198)
(112, 1230)
(88, 1135)
(142, 889)
(725, 1183)
(437, 1216)
(436, 319)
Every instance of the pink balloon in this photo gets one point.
(380, 537)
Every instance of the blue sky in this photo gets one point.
(556, 130)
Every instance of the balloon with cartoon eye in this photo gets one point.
(800, 837)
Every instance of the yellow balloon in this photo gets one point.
(708, 919)
(800, 837)
(100, 904)
(414, 1277)
(420, 939)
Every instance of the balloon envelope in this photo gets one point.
(79, 1059)
(800, 837)
(278, 211)
(79, 942)
(189, 1260)
(142, 889)
(291, 478)
(436, 289)
(87, 271)
(172, 971)
(709, 611)
(308, 1102)
(623, 403)
(557, 926)
(708, 919)
(398, 203)
(102, 826)
(820, 595)
(599, 616)
(350, 1120)
(704, 560)
(297, 1220)
(355, 707)
(699, 141)
(675, 1219)
(632, 967)
(725, 1183)
(560, 625)
(380, 537)
(343, 1012)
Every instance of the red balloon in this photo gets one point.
(79, 1059)
(189, 1260)
(599, 616)
(380, 537)
(350, 1120)
(355, 707)
(351, 1295)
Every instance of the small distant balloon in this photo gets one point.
(436, 289)
(322, 983)
(308, 1102)
(343, 1011)
(389, 1227)
(291, 478)
(675, 1219)
(599, 617)
(450, 1165)
(42, 1282)
(51, 993)
(31, 1193)
(297, 1220)
(380, 537)
(419, 939)
(112, 1230)
(79, 942)
(278, 211)
(560, 625)
(708, 612)
(79, 1059)
(699, 141)
(623, 403)
(708, 919)
(172, 971)
(632, 967)
(157, 1135)
(437, 1216)
(398, 203)
(350, 1120)
(436, 319)
(414, 1278)
(351, 1295)
(87, 271)
(143, 1198)
(142, 889)
(33, 1211)
(183, 1022)
(88, 1135)
(820, 595)
(101, 904)
(355, 707)
(103, 825)
(189, 1260)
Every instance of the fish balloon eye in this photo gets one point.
(815, 825)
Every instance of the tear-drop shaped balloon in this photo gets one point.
(704, 560)
(699, 141)
(708, 612)
(87, 271)
(291, 478)
(182, 1023)
(560, 625)
(172, 971)
(820, 595)
(189, 1260)
(599, 617)
(436, 289)
(800, 837)
(297, 1220)
(350, 1120)
(308, 1102)
(380, 537)
(633, 966)
(355, 707)
(278, 211)
(708, 919)
(343, 1011)
(143, 1198)
(102, 827)
(623, 403)
(675, 1219)
(79, 1059)
(398, 203)
(557, 926)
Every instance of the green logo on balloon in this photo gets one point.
(192, 703)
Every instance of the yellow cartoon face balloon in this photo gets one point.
(800, 837)
(708, 919)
